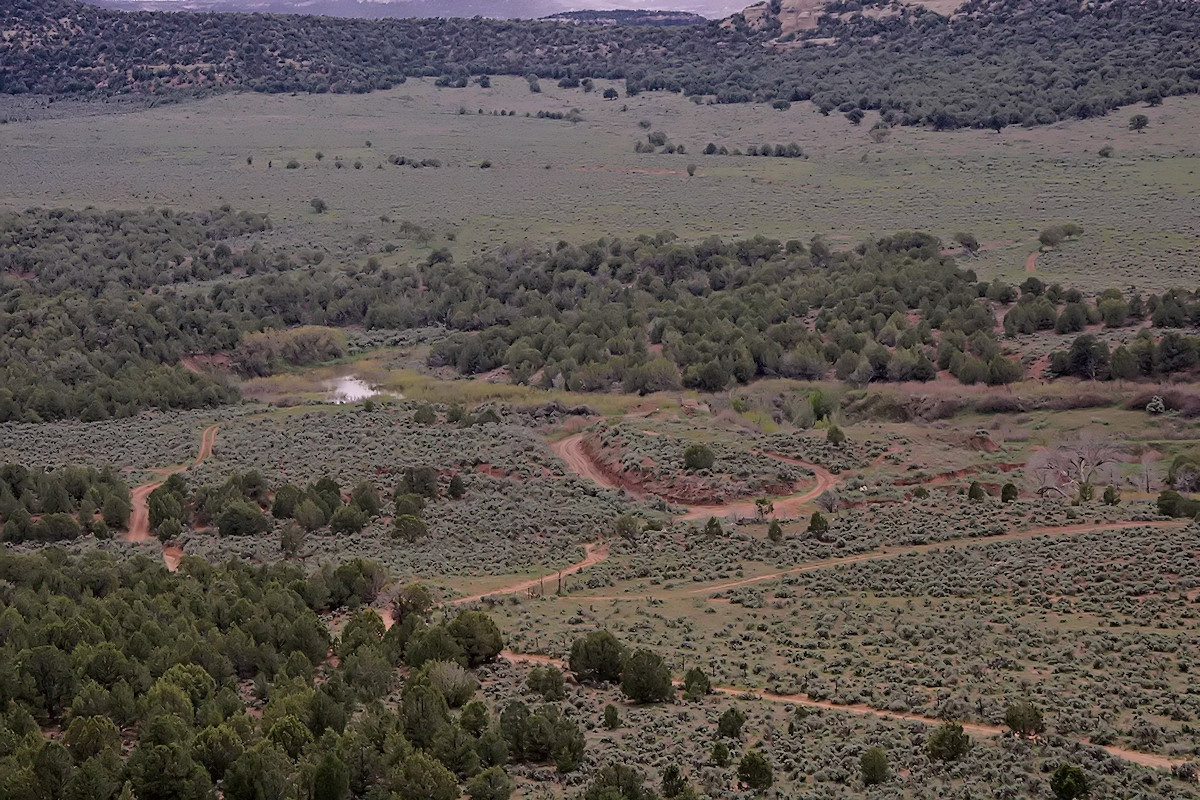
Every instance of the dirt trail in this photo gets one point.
(573, 453)
(896, 552)
(861, 709)
(139, 516)
(784, 506)
(594, 553)
(1031, 262)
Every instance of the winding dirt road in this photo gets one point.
(863, 710)
(1031, 262)
(139, 516)
(573, 453)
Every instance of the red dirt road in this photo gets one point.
(885, 552)
(573, 453)
(594, 553)
(784, 506)
(139, 516)
(860, 709)
(1031, 262)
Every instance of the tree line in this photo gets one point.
(1000, 62)
(98, 310)
(44, 504)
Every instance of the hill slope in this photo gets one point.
(363, 9)
(995, 63)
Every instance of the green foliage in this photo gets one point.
(645, 678)
(698, 456)
(835, 436)
(626, 526)
(754, 771)
(1024, 718)
(492, 783)
(409, 528)
(596, 657)
(775, 531)
(719, 756)
(420, 777)
(331, 779)
(975, 492)
(618, 782)
(1171, 503)
(1112, 495)
(874, 766)
(478, 636)
(948, 742)
(548, 682)
(696, 684)
(347, 520)
(435, 643)
(1069, 782)
(818, 525)
(1008, 492)
(612, 717)
(729, 726)
(241, 518)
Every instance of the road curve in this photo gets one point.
(571, 451)
(139, 515)
(575, 456)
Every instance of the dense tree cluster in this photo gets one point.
(49, 505)
(590, 317)
(97, 310)
(83, 334)
(150, 678)
(1001, 61)
(240, 506)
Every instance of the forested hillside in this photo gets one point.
(100, 308)
(161, 686)
(997, 62)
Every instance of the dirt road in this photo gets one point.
(572, 452)
(1031, 262)
(784, 506)
(860, 709)
(594, 553)
(896, 552)
(139, 516)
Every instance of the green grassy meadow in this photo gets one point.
(554, 179)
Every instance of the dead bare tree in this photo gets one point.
(1087, 459)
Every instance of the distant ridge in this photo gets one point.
(361, 9)
(622, 17)
(559, 10)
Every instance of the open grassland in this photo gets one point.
(554, 179)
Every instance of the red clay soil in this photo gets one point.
(1031, 262)
(682, 490)
(861, 709)
(571, 450)
(139, 516)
